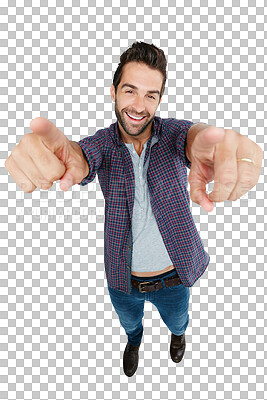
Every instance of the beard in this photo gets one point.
(127, 126)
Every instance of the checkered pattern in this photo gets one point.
(60, 338)
(167, 182)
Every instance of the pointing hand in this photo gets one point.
(44, 156)
(213, 155)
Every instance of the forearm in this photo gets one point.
(190, 137)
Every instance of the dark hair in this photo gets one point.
(144, 53)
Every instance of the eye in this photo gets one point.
(130, 91)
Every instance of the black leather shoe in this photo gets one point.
(130, 359)
(177, 347)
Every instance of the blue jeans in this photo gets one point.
(171, 302)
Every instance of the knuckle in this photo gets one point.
(55, 173)
(247, 179)
(54, 176)
(15, 151)
(193, 197)
(30, 190)
(226, 184)
(43, 184)
(43, 159)
(228, 178)
(7, 163)
(27, 187)
(26, 139)
(196, 196)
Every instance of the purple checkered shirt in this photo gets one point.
(166, 163)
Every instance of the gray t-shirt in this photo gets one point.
(149, 251)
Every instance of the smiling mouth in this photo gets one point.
(135, 120)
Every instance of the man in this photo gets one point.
(152, 248)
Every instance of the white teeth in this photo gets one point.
(134, 117)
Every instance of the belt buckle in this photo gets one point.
(140, 288)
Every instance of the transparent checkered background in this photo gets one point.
(60, 336)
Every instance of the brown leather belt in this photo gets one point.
(156, 285)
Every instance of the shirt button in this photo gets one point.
(128, 266)
(129, 247)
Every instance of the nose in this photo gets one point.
(139, 104)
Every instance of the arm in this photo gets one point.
(79, 150)
(92, 148)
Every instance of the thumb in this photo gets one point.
(50, 135)
(201, 171)
(67, 180)
(72, 176)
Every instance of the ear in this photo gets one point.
(112, 92)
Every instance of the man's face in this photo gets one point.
(139, 98)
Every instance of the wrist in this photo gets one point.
(84, 161)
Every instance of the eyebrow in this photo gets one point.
(134, 87)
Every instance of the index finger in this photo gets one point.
(51, 136)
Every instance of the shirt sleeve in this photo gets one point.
(93, 150)
(179, 128)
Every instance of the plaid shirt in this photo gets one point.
(108, 156)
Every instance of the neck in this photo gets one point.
(136, 140)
